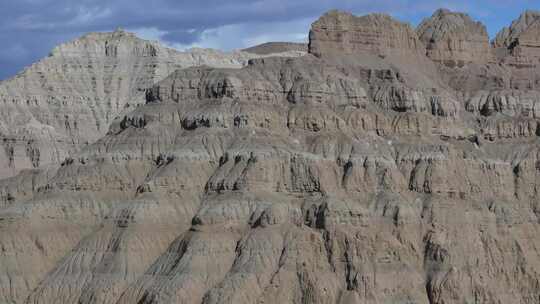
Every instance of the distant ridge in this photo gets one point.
(276, 47)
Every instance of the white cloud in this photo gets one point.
(236, 36)
(149, 33)
(82, 16)
(86, 15)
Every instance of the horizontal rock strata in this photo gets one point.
(349, 175)
(454, 38)
(68, 100)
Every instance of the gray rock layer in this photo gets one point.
(355, 174)
(68, 100)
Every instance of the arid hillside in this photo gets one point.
(389, 164)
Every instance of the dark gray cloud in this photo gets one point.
(29, 29)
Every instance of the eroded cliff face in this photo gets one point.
(343, 176)
(338, 32)
(68, 100)
(508, 35)
(454, 38)
(520, 42)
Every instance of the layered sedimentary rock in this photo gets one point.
(327, 178)
(68, 100)
(520, 42)
(509, 35)
(454, 38)
(339, 32)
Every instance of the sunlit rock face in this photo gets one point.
(520, 42)
(67, 101)
(454, 38)
(367, 171)
(341, 32)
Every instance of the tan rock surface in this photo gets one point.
(68, 100)
(348, 176)
(341, 32)
(508, 35)
(454, 38)
(520, 42)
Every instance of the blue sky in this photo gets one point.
(29, 29)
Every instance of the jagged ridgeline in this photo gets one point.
(387, 165)
(68, 100)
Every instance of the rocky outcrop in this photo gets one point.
(454, 39)
(520, 43)
(313, 179)
(509, 36)
(68, 100)
(341, 32)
